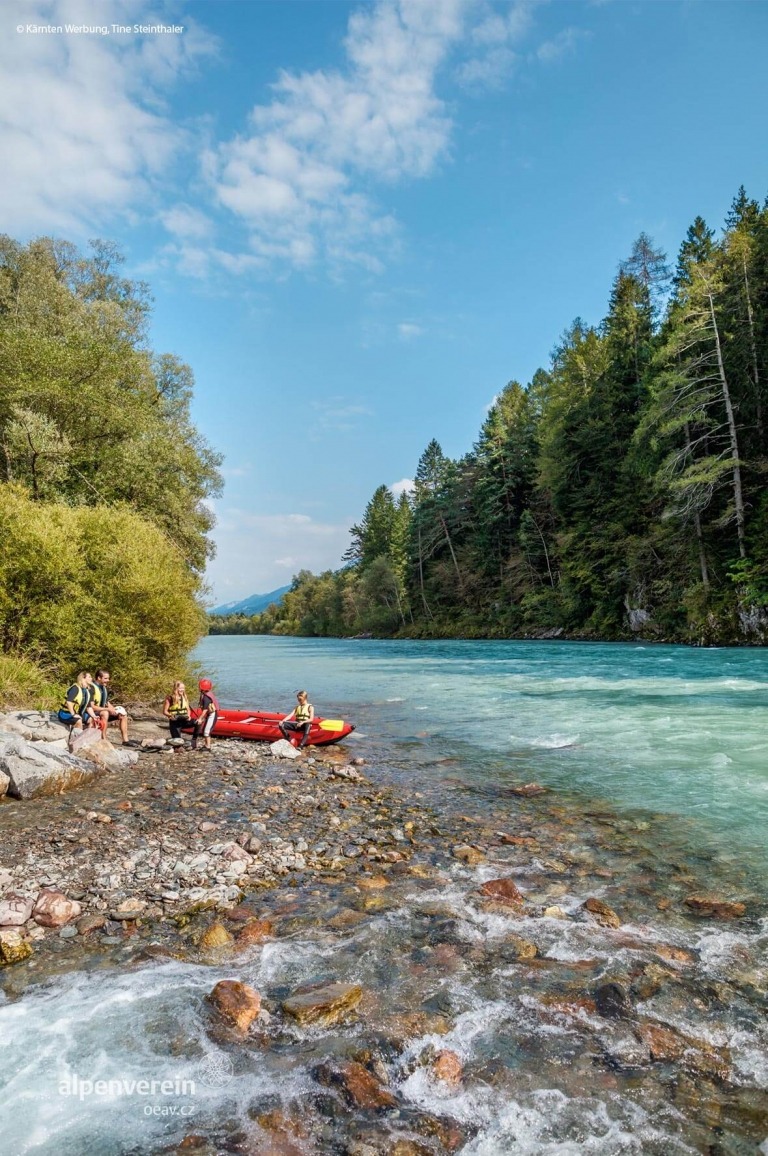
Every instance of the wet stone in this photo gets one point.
(326, 1005)
(604, 914)
(236, 1002)
(711, 907)
(613, 1002)
(358, 1085)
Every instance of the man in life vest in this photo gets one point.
(299, 720)
(76, 710)
(206, 720)
(176, 710)
(106, 711)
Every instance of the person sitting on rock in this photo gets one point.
(176, 710)
(299, 720)
(76, 710)
(105, 710)
(206, 720)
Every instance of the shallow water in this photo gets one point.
(667, 728)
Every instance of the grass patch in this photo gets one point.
(24, 684)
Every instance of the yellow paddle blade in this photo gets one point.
(332, 724)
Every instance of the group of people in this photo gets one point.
(176, 709)
(87, 704)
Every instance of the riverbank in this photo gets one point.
(558, 970)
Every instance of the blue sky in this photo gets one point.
(359, 221)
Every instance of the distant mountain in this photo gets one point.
(253, 605)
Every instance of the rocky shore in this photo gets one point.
(576, 937)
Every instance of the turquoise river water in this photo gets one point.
(668, 728)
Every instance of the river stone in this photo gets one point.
(360, 1088)
(34, 769)
(604, 914)
(519, 948)
(215, 936)
(254, 931)
(710, 907)
(282, 749)
(527, 790)
(128, 910)
(90, 923)
(447, 1067)
(5, 782)
(13, 948)
(102, 752)
(612, 1001)
(466, 854)
(503, 891)
(53, 909)
(325, 1005)
(15, 910)
(236, 1002)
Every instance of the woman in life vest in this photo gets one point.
(299, 720)
(76, 710)
(176, 710)
(206, 720)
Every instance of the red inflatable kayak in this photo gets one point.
(262, 726)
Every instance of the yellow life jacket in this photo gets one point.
(178, 705)
(303, 713)
(75, 705)
(99, 695)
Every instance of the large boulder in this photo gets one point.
(94, 747)
(5, 782)
(35, 725)
(15, 910)
(34, 769)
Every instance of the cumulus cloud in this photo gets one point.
(298, 178)
(404, 486)
(83, 130)
(407, 330)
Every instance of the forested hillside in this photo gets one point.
(103, 478)
(621, 492)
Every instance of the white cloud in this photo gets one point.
(258, 552)
(404, 486)
(83, 130)
(295, 178)
(561, 45)
(407, 330)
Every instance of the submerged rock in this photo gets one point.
(215, 936)
(447, 1068)
(612, 1001)
(325, 1005)
(604, 914)
(527, 790)
(469, 855)
(711, 907)
(503, 891)
(360, 1088)
(254, 931)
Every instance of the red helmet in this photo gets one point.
(205, 684)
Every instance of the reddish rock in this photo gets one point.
(361, 1089)
(516, 840)
(447, 1067)
(53, 909)
(326, 1005)
(254, 931)
(604, 914)
(710, 907)
(236, 1002)
(673, 954)
(373, 882)
(667, 1045)
(503, 891)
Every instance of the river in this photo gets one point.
(654, 761)
(667, 728)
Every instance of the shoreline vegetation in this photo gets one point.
(620, 494)
(104, 481)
